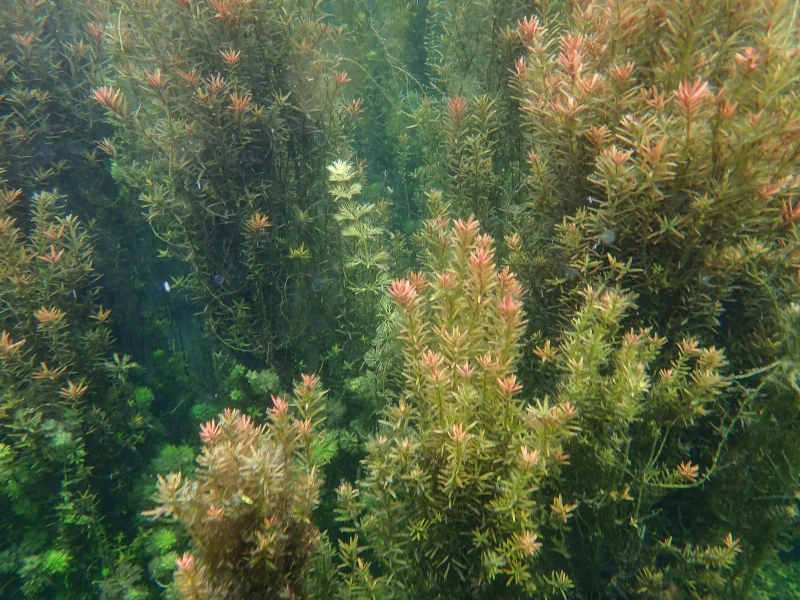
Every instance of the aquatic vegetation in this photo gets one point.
(224, 114)
(362, 225)
(70, 422)
(663, 159)
(642, 457)
(248, 508)
(447, 503)
(637, 158)
(47, 66)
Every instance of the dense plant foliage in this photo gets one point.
(446, 502)
(260, 189)
(249, 507)
(70, 419)
(225, 114)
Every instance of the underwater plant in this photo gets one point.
(650, 444)
(71, 430)
(47, 135)
(224, 115)
(447, 502)
(365, 254)
(663, 158)
(248, 507)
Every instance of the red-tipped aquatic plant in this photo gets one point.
(448, 500)
(248, 509)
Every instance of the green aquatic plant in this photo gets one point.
(665, 157)
(642, 456)
(248, 507)
(472, 142)
(65, 418)
(224, 115)
(126, 583)
(40, 571)
(47, 66)
(362, 228)
(448, 503)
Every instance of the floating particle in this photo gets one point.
(608, 237)
(320, 284)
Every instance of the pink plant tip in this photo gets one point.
(403, 292)
(185, 563)
(691, 96)
(210, 432)
(279, 406)
(508, 385)
(309, 383)
(466, 370)
(509, 307)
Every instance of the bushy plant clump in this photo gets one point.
(663, 157)
(663, 150)
(642, 458)
(248, 507)
(71, 428)
(47, 134)
(225, 112)
(447, 503)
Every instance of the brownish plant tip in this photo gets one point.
(224, 10)
(340, 78)
(190, 77)
(258, 224)
(528, 542)
(46, 372)
(157, 80)
(24, 40)
(217, 84)
(509, 386)
(53, 257)
(457, 108)
(419, 281)
(354, 107)
(109, 97)
(9, 196)
(7, 345)
(691, 97)
(73, 391)
(689, 471)
(49, 316)
(528, 29)
(230, 56)
(240, 104)
(790, 213)
(108, 147)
